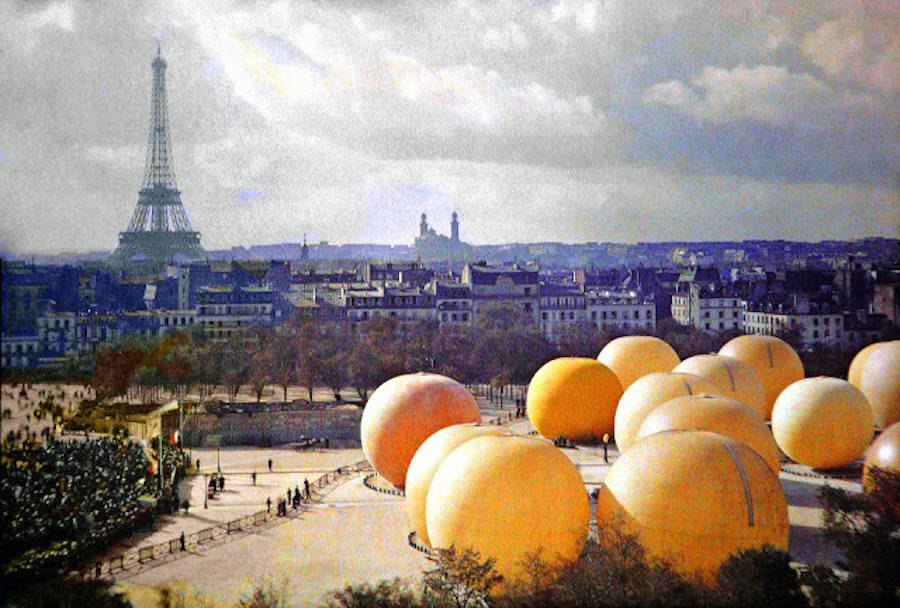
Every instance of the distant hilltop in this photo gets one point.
(436, 248)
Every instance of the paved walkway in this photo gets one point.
(355, 535)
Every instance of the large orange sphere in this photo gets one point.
(822, 422)
(694, 497)
(721, 415)
(646, 394)
(573, 397)
(631, 357)
(774, 361)
(423, 465)
(884, 453)
(856, 366)
(876, 372)
(508, 498)
(733, 377)
(403, 412)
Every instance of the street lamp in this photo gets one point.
(205, 492)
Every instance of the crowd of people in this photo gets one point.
(63, 500)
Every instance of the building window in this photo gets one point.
(815, 333)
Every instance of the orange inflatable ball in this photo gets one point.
(733, 377)
(508, 498)
(822, 422)
(876, 372)
(632, 357)
(646, 394)
(423, 465)
(884, 453)
(856, 366)
(694, 498)
(774, 361)
(403, 412)
(721, 415)
(573, 397)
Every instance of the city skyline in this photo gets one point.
(546, 121)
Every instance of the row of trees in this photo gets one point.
(503, 348)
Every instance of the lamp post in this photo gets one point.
(218, 462)
(205, 492)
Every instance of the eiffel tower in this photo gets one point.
(159, 229)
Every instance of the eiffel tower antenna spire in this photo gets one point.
(159, 227)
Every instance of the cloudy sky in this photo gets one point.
(556, 120)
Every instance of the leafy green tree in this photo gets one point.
(866, 528)
(758, 577)
(462, 578)
(259, 370)
(282, 358)
(235, 364)
(386, 594)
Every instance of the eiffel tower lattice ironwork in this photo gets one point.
(159, 228)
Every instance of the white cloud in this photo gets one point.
(862, 52)
(58, 14)
(764, 94)
(509, 38)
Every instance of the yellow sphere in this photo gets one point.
(631, 357)
(694, 497)
(856, 366)
(646, 394)
(573, 397)
(733, 377)
(774, 361)
(508, 498)
(403, 412)
(423, 465)
(721, 415)
(876, 372)
(822, 422)
(884, 453)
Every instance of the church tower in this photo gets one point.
(454, 228)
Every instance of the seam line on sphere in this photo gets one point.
(687, 385)
(769, 351)
(730, 378)
(746, 485)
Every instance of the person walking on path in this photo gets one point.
(254, 477)
(198, 464)
(306, 487)
(268, 504)
(181, 540)
(270, 465)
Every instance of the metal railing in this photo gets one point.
(174, 546)
(367, 481)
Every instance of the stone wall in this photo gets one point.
(272, 428)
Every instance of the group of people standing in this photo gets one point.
(292, 498)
